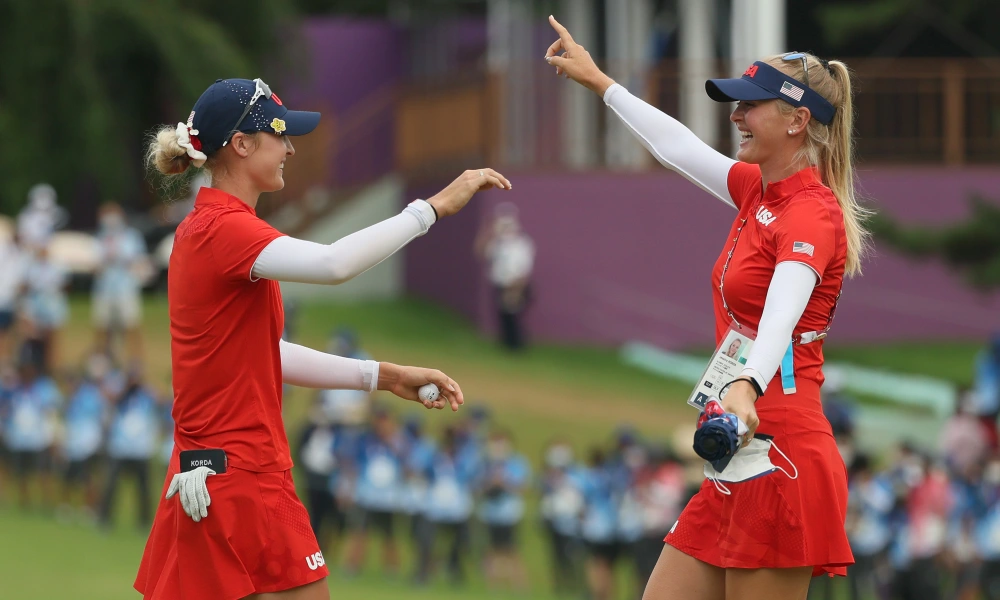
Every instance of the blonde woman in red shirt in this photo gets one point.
(759, 530)
(229, 361)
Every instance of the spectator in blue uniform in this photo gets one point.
(599, 526)
(562, 506)
(32, 414)
(132, 442)
(452, 481)
(318, 458)
(418, 453)
(116, 303)
(987, 531)
(378, 468)
(987, 387)
(84, 419)
(869, 526)
(506, 474)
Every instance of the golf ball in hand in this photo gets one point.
(428, 393)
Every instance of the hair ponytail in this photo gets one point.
(837, 167)
(830, 148)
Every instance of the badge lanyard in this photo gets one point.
(725, 267)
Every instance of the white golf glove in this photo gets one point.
(193, 491)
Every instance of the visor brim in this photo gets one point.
(300, 122)
(734, 90)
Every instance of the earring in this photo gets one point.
(790, 132)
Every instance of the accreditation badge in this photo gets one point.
(725, 365)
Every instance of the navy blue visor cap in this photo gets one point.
(763, 82)
(231, 105)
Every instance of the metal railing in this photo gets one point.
(927, 111)
(907, 111)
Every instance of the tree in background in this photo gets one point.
(83, 81)
(891, 28)
(971, 247)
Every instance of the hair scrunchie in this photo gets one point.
(187, 138)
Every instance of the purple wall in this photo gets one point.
(353, 69)
(349, 59)
(628, 256)
(440, 266)
(445, 47)
(620, 256)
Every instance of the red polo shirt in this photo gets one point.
(224, 331)
(796, 219)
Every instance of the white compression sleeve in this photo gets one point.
(674, 145)
(290, 259)
(305, 367)
(787, 296)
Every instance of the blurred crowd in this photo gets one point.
(34, 282)
(460, 498)
(70, 435)
(924, 520)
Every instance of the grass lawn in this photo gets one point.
(951, 360)
(41, 559)
(578, 394)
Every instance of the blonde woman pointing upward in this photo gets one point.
(760, 530)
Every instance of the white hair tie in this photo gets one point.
(187, 138)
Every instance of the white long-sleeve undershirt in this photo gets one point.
(787, 296)
(679, 149)
(290, 259)
(674, 145)
(305, 367)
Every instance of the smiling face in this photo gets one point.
(772, 134)
(763, 130)
(265, 164)
(256, 160)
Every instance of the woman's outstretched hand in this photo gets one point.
(406, 382)
(573, 61)
(453, 198)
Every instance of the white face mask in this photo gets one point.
(635, 457)
(749, 463)
(98, 367)
(991, 474)
(497, 449)
(559, 457)
(112, 222)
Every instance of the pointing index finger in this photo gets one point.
(567, 39)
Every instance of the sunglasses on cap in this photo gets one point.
(261, 90)
(805, 63)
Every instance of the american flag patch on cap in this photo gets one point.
(803, 248)
(792, 91)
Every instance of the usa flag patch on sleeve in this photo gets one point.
(803, 248)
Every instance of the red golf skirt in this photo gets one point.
(256, 539)
(774, 521)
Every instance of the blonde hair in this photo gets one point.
(164, 154)
(831, 147)
(168, 158)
